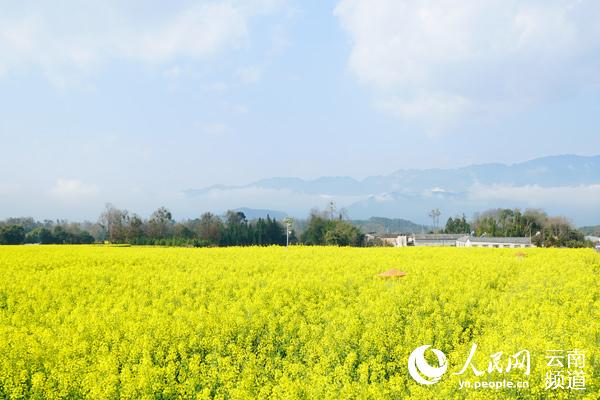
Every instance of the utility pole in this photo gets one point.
(435, 218)
(331, 210)
(288, 221)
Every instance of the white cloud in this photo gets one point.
(439, 110)
(437, 61)
(196, 32)
(73, 190)
(583, 196)
(383, 198)
(78, 37)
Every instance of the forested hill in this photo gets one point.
(381, 225)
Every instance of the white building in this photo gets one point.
(495, 242)
(593, 239)
(450, 240)
(393, 240)
(434, 239)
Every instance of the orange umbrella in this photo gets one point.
(392, 273)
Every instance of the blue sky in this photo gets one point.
(134, 103)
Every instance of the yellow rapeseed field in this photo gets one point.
(305, 322)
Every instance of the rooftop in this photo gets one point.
(439, 236)
(491, 239)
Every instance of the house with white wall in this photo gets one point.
(494, 242)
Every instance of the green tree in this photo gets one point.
(236, 232)
(314, 234)
(160, 223)
(210, 229)
(457, 225)
(343, 233)
(322, 229)
(135, 229)
(12, 234)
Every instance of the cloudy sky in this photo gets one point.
(133, 102)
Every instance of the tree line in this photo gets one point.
(327, 227)
(119, 226)
(27, 230)
(231, 229)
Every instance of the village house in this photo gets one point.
(393, 239)
(498, 242)
(434, 239)
(593, 239)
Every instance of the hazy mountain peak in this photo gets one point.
(547, 182)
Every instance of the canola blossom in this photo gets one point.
(296, 323)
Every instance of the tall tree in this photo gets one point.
(210, 228)
(236, 231)
(160, 223)
(114, 223)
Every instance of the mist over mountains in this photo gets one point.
(566, 184)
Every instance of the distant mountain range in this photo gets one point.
(566, 184)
